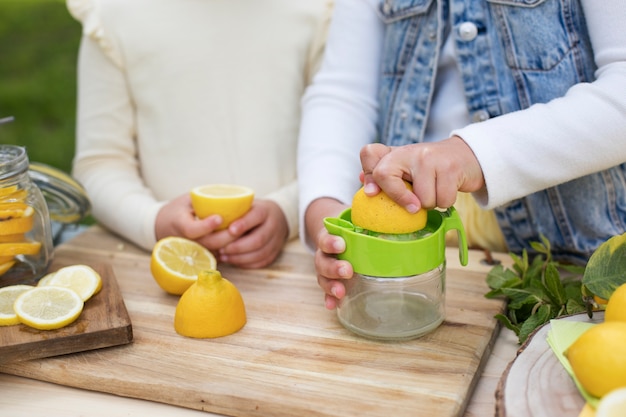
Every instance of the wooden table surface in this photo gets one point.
(27, 397)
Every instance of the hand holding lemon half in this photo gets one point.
(226, 200)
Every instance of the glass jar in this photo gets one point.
(26, 247)
(394, 308)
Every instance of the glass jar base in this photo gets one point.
(390, 315)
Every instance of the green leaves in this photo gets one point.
(606, 269)
(537, 291)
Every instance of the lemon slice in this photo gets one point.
(15, 218)
(19, 248)
(8, 295)
(176, 262)
(82, 279)
(48, 308)
(612, 404)
(45, 280)
(5, 266)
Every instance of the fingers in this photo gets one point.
(436, 170)
(386, 168)
(330, 270)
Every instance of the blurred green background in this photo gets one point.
(38, 53)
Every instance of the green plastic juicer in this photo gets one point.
(398, 290)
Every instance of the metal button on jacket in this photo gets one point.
(468, 31)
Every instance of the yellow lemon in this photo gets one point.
(176, 262)
(211, 307)
(82, 279)
(612, 404)
(616, 306)
(8, 295)
(49, 307)
(381, 214)
(597, 358)
(229, 201)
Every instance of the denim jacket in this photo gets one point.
(533, 51)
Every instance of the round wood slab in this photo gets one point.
(535, 384)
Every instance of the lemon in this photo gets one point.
(82, 279)
(383, 215)
(616, 306)
(229, 201)
(8, 295)
(211, 307)
(176, 262)
(597, 358)
(612, 404)
(48, 307)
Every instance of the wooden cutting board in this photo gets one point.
(103, 322)
(292, 358)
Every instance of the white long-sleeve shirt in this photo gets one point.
(520, 153)
(175, 94)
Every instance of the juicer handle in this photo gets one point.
(451, 221)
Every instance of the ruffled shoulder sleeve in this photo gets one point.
(88, 14)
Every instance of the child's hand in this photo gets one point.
(437, 170)
(254, 240)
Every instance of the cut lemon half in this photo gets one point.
(612, 404)
(82, 279)
(8, 295)
(176, 262)
(226, 200)
(48, 308)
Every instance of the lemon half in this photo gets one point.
(383, 215)
(227, 200)
(176, 262)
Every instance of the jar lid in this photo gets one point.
(67, 200)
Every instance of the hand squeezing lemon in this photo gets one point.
(381, 215)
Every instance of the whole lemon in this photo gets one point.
(597, 358)
(211, 307)
(383, 215)
(616, 306)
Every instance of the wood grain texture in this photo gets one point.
(103, 322)
(292, 358)
(535, 384)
